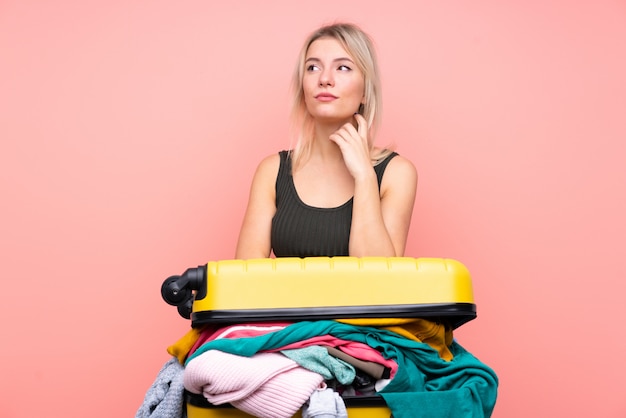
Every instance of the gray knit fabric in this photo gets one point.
(164, 399)
(325, 403)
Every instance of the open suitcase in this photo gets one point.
(296, 289)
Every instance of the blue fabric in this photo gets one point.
(317, 359)
(424, 386)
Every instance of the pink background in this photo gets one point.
(130, 132)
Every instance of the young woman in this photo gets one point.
(335, 193)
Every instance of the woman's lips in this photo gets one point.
(325, 97)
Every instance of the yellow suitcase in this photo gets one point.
(199, 408)
(295, 289)
(267, 289)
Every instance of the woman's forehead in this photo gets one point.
(327, 46)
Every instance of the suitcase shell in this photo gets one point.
(292, 289)
(198, 407)
(313, 288)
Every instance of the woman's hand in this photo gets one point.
(380, 216)
(355, 148)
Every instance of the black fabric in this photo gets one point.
(300, 230)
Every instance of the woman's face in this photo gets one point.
(333, 85)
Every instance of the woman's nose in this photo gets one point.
(326, 79)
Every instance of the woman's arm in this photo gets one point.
(380, 219)
(254, 236)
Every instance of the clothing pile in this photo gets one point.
(272, 370)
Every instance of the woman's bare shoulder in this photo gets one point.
(267, 169)
(402, 165)
(400, 171)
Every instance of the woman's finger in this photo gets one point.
(361, 125)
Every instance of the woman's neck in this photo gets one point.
(322, 146)
(325, 150)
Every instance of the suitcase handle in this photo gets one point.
(179, 290)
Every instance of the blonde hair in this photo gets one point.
(360, 47)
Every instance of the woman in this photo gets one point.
(328, 196)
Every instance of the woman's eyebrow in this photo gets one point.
(314, 59)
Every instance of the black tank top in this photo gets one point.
(300, 230)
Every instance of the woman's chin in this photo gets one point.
(333, 118)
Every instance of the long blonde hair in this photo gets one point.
(360, 47)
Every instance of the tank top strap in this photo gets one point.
(285, 162)
(381, 166)
(282, 179)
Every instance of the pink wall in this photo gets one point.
(130, 131)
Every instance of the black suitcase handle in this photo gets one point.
(179, 290)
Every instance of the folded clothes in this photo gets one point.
(236, 331)
(464, 386)
(266, 385)
(376, 370)
(318, 360)
(164, 399)
(435, 334)
(325, 403)
(355, 349)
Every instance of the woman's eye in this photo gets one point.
(344, 68)
(312, 67)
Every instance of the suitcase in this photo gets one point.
(198, 407)
(297, 289)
